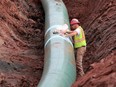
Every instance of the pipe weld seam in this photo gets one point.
(52, 27)
(58, 36)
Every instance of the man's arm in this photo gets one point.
(68, 31)
(75, 32)
(72, 33)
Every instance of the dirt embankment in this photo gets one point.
(103, 74)
(22, 40)
(21, 43)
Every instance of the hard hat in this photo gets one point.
(74, 21)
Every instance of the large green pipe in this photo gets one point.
(59, 62)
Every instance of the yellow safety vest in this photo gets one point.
(79, 40)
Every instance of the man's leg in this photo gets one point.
(80, 53)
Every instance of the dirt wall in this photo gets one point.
(21, 43)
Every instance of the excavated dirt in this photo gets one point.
(22, 41)
(103, 74)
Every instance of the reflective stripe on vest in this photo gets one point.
(80, 39)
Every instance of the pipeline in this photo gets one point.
(59, 61)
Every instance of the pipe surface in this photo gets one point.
(59, 61)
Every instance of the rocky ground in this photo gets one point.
(22, 41)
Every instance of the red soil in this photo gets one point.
(22, 41)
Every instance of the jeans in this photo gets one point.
(80, 53)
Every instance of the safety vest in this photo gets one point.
(79, 40)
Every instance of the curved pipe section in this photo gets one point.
(59, 63)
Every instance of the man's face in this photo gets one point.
(74, 26)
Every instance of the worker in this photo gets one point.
(79, 43)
